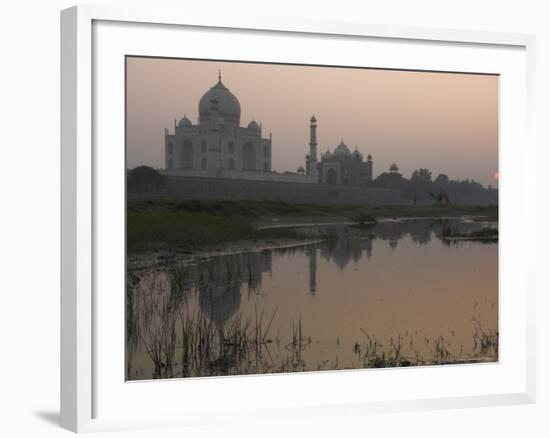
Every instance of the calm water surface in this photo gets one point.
(395, 287)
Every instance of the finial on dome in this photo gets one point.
(220, 75)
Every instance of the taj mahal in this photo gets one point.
(219, 147)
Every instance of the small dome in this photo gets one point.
(327, 155)
(357, 155)
(394, 168)
(184, 122)
(253, 125)
(342, 150)
(313, 119)
(228, 105)
(301, 169)
(369, 157)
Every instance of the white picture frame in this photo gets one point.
(86, 376)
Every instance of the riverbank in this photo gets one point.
(170, 224)
(486, 234)
(145, 260)
(322, 299)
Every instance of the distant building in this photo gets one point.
(392, 179)
(343, 167)
(218, 147)
(218, 141)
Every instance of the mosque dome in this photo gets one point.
(394, 168)
(184, 122)
(253, 125)
(301, 169)
(327, 155)
(228, 105)
(357, 155)
(342, 150)
(369, 157)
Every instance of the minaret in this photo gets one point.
(312, 165)
(369, 168)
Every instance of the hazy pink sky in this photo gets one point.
(443, 121)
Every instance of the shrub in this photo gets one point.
(144, 175)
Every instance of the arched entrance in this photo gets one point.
(249, 156)
(187, 155)
(331, 176)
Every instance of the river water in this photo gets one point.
(392, 294)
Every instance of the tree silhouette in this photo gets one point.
(144, 175)
(422, 174)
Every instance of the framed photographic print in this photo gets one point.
(270, 207)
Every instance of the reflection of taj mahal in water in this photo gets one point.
(217, 146)
(220, 298)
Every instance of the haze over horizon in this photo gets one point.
(446, 122)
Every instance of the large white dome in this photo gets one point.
(228, 106)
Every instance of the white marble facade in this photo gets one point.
(217, 141)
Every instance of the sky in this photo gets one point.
(446, 122)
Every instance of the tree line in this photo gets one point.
(423, 188)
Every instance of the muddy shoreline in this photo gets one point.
(162, 257)
(275, 223)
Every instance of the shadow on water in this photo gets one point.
(211, 318)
